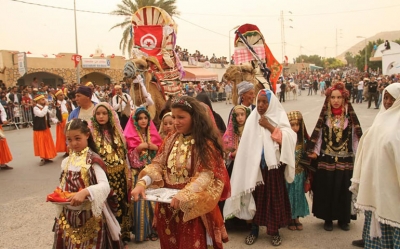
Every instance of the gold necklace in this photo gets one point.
(182, 149)
(110, 157)
(77, 159)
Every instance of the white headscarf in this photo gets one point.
(255, 139)
(376, 175)
(244, 87)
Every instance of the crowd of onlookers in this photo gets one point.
(197, 56)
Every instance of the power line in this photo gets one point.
(61, 8)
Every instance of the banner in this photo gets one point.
(149, 39)
(22, 68)
(273, 65)
(95, 63)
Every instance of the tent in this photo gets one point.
(199, 74)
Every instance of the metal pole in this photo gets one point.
(78, 78)
(229, 55)
(365, 66)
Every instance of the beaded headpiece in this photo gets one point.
(294, 116)
(180, 101)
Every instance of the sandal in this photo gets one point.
(299, 226)
(5, 167)
(276, 240)
(292, 225)
(250, 239)
(153, 236)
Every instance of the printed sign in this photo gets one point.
(22, 64)
(95, 63)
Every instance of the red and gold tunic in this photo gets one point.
(178, 166)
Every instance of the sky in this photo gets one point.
(204, 25)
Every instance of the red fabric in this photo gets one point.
(43, 144)
(337, 111)
(273, 65)
(149, 39)
(5, 154)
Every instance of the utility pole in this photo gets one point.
(282, 19)
(338, 35)
(78, 78)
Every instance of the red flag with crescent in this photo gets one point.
(76, 58)
(149, 39)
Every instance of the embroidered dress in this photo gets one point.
(201, 187)
(143, 211)
(332, 198)
(90, 225)
(112, 150)
(298, 201)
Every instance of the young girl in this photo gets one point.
(267, 144)
(298, 201)
(190, 160)
(143, 141)
(233, 133)
(167, 125)
(110, 142)
(87, 221)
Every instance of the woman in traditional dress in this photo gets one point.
(143, 141)
(189, 160)
(333, 143)
(264, 159)
(298, 201)
(87, 221)
(5, 155)
(111, 145)
(376, 177)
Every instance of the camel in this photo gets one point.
(141, 66)
(292, 89)
(245, 72)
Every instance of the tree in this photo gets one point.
(312, 59)
(333, 63)
(128, 7)
(350, 58)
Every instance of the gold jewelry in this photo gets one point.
(179, 158)
(142, 183)
(175, 212)
(78, 159)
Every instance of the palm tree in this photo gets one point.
(128, 7)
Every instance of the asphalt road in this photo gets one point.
(26, 220)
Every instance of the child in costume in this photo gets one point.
(167, 125)
(110, 143)
(298, 201)
(87, 220)
(234, 133)
(5, 154)
(62, 116)
(143, 141)
(43, 143)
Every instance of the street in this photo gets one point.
(27, 220)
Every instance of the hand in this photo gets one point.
(138, 191)
(5, 122)
(233, 154)
(175, 203)
(263, 121)
(142, 146)
(152, 146)
(312, 155)
(79, 197)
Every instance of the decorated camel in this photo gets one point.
(154, 70)
(254, 61)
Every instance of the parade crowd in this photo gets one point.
(255, 170)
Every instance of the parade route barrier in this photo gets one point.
(19, 116)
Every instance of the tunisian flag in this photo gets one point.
(149, 39)
(76, 58)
